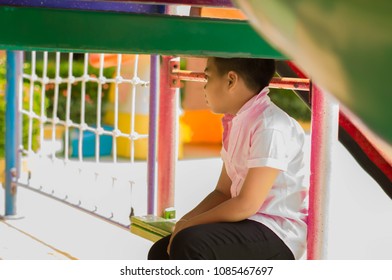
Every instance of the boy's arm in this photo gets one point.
(220, 194)
(255, 189)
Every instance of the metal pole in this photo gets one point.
(13, 76)
(276, 82)
(152, 134)
(325, 112)
(167, 139)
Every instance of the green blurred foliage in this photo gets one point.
(76, 89)
(26, 101)
(292, 104)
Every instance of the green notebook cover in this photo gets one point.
(154, 224)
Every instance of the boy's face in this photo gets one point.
(216, 88)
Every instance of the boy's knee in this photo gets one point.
(158, 250)
(180, 244)
(186, 245)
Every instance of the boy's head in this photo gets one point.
(256, 72)
(233, 81)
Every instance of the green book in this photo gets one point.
(151, 227)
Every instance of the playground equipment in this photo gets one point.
(132, 109)
(193, 36)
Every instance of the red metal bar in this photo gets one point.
(367, 143)
(185, 75)
(166, 139)
(290, 83)
(282, 83)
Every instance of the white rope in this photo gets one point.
(136, 82)
(58, 184)
(31, 100)
(68, 121)
(55, 119)
(42, 119)
(83, 124)
(101, 81)
(116, 131)
(133, 134)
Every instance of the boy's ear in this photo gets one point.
(232, 78)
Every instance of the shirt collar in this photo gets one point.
(255, 100)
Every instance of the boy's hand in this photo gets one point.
(180, 225)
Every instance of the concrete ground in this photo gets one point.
(360, 224)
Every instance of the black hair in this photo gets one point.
(256, 72)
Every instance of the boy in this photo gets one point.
(258, 209)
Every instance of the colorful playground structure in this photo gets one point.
(325, 61)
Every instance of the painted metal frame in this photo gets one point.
(201, 3)
(12, 133)
(325, 127)
(152, 134)
(167, 140)
(113, 5)
(276, 82)
(97, 31)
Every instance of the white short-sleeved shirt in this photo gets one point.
(261, 134)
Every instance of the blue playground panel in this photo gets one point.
(89, 141)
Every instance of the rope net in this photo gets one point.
(81, 127)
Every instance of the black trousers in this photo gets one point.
(244, 240)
